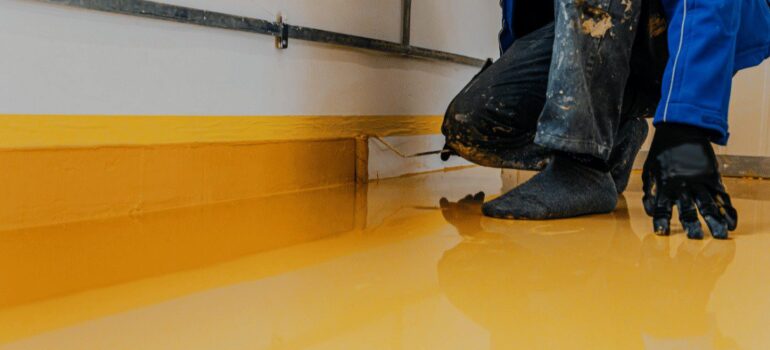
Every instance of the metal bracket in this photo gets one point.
(406, 23)
(282, 40)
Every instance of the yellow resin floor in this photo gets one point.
(386, 266)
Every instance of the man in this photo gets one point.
(569, 94)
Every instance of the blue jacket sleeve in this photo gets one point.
(506, 33)
(708, 43)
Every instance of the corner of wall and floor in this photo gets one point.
(105, 115)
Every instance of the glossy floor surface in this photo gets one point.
(399, 264)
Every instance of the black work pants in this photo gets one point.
(567, 86)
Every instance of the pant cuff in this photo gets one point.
(570, 145)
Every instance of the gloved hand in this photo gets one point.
(682, 170)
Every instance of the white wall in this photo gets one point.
(467, 27)
(750, 113)
(384, 163)
(62, 60)
(749, 116)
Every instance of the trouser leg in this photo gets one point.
(492, 122)
(642, 94)
(588, 75)
(648, 62)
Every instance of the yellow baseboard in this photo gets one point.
(59, 169)
(51, 186)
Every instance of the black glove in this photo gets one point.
(682, 170)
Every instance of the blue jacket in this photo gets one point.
(709, 41)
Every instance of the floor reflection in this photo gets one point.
(581, 283)
(69, 258)
(390, 266)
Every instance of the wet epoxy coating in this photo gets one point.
(388, 266)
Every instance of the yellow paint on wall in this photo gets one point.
(59, 185)
(45, 131)
(66, 168)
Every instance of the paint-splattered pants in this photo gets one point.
(567, 86)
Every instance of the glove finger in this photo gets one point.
(711, 214)
(718, 227)
(725, 206)
(661, 218)
(688, 216)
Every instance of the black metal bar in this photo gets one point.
(181, 14)
(406, 24)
